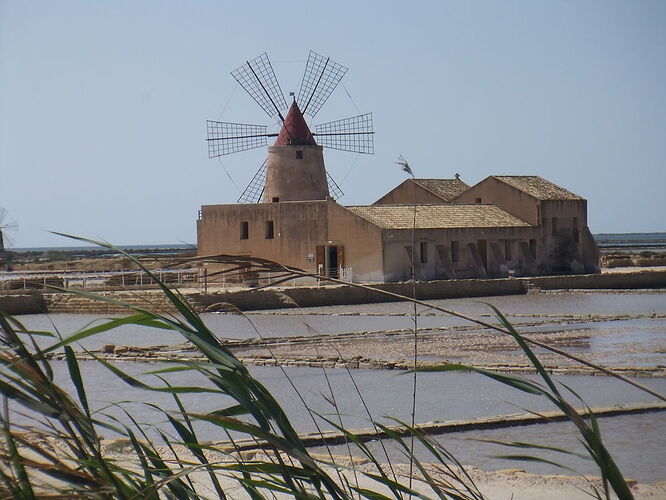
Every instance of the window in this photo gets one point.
(455, 251)
(269, 230)
(575, 230)
(507, 250)
(424, 252)
(533, 248)
(276, 199)
(478, 200)
(244, 230)
(299, 154)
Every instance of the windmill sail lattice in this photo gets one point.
(319, 81)
(349, 134)
(225, 138)
(255, 189)
(258, 79)
(6, 225)
(321, 77)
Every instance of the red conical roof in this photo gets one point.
(294, 129)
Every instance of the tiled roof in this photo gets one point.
(446, 189)
(537, 187)
(437, 216)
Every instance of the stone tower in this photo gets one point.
(295, 169)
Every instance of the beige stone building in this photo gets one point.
(502, 226)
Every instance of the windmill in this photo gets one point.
(5, 225)
(294, 169)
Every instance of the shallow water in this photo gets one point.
(638, 440)
(328, 320)
(441, 396)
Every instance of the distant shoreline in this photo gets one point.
(602, 239)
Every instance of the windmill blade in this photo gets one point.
(225, 137)
(333, 187)
(255, 189)
(258, 79)
(353, 134)
(321, 77)
(6, 225)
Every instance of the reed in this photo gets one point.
(61, 455)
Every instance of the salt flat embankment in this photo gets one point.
(36, 303)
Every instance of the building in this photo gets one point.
(502, 226)
(424, 191)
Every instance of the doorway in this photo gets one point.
(482, 246)
(329, 260)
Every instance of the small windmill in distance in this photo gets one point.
(281, 177)
(5, 225)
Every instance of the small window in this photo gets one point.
(576, 235)
(299, 154)
(244, 230)
(455, 251)
(269, 230)
(424, 252)
(478, 200)
(554, 225)
(533, 248)
(276, 199)
(507, 250)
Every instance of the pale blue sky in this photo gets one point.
(103, 103)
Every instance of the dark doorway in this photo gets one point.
(329, 259)
(332, 261)
(482, 247)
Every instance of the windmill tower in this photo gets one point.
(294, 169)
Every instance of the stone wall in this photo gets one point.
(154, 301)
(330, 295)
(23, 304)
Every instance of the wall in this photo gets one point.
(506, 197)
(557, 251)
(23, 304)
(567, 245)
(298, 227)
(362, 242)
(292, 179)
(470, 263)
(340, 295)
(408, 193)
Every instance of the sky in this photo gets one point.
(103, 104)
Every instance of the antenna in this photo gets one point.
(258, 79)
(352, 134)
(320, 78)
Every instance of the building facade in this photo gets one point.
(502, 226)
